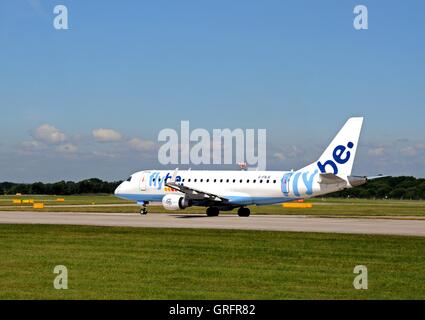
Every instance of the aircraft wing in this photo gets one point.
(195, 194)
(191, 193)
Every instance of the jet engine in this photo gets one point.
(175, 202)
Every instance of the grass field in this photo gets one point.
(321, 207)
(69, 200)
(138, 263)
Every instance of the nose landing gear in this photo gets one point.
(144, 209)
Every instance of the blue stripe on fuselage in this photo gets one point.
(236, 200)
(258, 200)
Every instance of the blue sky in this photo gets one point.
(296, 68)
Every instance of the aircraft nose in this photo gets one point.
(118, 189)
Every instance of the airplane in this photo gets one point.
(231, 189)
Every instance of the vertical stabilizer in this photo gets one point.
(338, 157)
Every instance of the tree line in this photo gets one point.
(88, 186)
(383, 188)
(403, 187)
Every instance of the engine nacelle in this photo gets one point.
(175, 202)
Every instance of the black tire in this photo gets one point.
(244, 212)
(212, 212)
(143, 211)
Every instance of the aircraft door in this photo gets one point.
(143, 181)
(285, 183)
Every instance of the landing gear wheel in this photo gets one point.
(144, 209)
(212, 212)
(243, 212)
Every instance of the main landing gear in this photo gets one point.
(243, 212)
(144, 209)
(212, 211)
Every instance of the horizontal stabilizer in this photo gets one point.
(330, 178)
(359, 180)
(376, 177)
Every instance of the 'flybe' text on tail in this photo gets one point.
(338, 157)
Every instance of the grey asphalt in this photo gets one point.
(254, 222)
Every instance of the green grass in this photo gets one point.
(321, 207)
(139, 263)
(69, 200)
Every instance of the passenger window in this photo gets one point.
(254, 181)
(227, 180)
(195, 180)
(208, 180)
(274, 181)
(261, 181)
(215, 180)
(240, 181)
(234, 180)
(247, 181)
(202, 180)
(221, 180)
(268, 181)
(188, 180)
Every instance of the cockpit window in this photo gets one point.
(129, 179)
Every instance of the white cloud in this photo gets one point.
(49, 134)
(66, 148)
(408, 151)
(106, 135)
(294, 152)
(141, 145)
(420, 146)
(32, 144)
(377, 152)
(104, 154)
(279, 156)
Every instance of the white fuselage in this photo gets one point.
(240, 187)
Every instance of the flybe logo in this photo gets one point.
(156, 181)
(299, 183)
(340, 155)
(294, 181)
